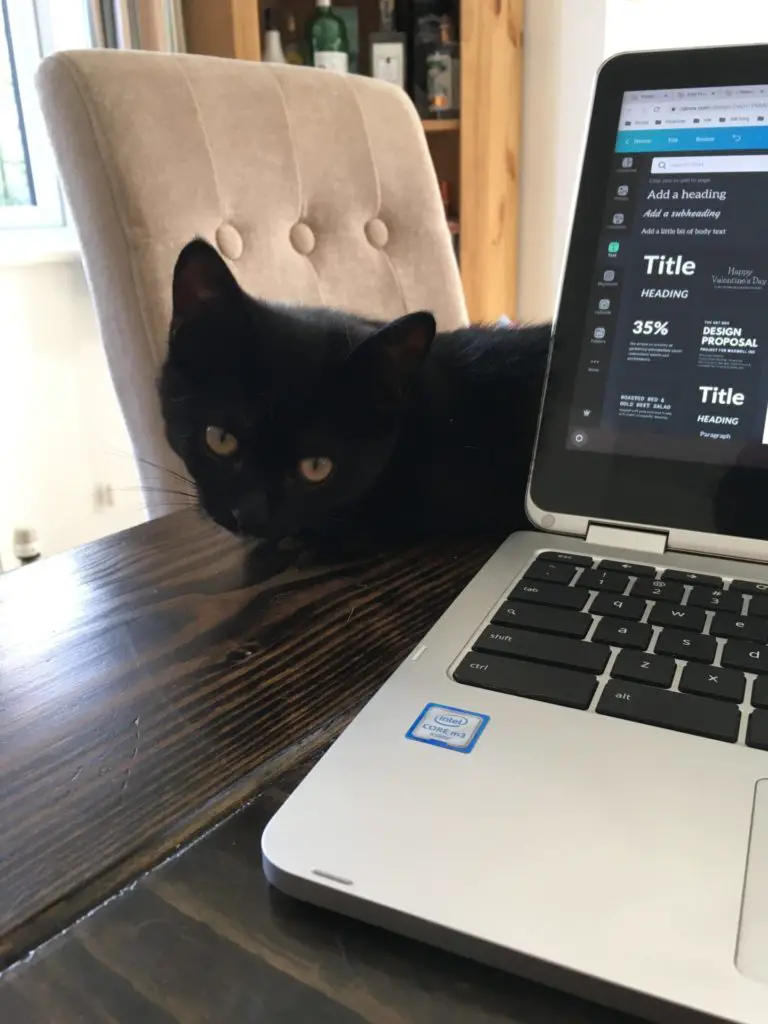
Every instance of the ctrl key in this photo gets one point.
(527, 679)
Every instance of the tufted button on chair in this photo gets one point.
(318, 188)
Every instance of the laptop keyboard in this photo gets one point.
(677, 650)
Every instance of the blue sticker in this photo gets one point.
(444, 726)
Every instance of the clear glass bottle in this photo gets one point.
(327, 40)
(273, 47)
(443, 74)
(291, 44)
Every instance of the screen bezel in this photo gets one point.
(581, 487)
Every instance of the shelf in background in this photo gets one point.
(441, 126)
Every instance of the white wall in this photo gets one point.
(668, 24)
(61, 431)
(564, 45)
(565, 42)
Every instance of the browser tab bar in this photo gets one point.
(686, 107)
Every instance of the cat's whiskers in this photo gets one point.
(164, 469)
(162, 490)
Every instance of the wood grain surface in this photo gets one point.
(204, 940)
(491, 116)
(152, 682)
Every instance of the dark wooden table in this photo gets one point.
(153, 686)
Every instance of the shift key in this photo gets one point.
(551, 650)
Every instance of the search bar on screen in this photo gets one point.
(737, 164)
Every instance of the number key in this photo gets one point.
(599, 579)
(658, 590)
(718, 600)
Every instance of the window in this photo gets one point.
(29, 191)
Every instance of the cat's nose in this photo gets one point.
(251, 513)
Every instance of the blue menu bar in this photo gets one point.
(692, 139)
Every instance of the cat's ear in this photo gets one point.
(200, 277)
(388, 361)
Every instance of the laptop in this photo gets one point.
(568, 777)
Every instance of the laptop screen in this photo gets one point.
(656, 404)
(676, 339)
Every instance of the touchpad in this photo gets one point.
(752, 948)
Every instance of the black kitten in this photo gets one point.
(315, 423)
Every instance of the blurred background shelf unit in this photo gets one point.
(476, 155)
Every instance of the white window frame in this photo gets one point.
(48, 211)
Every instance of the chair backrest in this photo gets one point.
(317, 187)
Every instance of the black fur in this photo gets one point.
(429, 434)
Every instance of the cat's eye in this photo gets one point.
(315, 469)
(221, 442)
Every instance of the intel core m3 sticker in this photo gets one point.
(444, 726)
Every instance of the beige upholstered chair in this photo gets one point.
(317, 187)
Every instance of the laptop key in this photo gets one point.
(693, 646)
(711, 681)
(677, 617)
(757, 730)
(658, 590)
(682, 712)
(553, 594)
(623, 634)
(717, 600)
(631, 608)
(545, 620)
(644, 668)
(551, 650)
(564, 556)
(599, 579)
(525, 679)
(742, 654)
(692, 577)
(631, 567)
(740, 627)
(758, 605)
(760, 692)
(551, 572)
(749, 587)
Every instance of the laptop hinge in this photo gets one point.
(635, 540)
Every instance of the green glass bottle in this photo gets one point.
(327, 39)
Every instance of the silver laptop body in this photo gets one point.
(590, 808)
